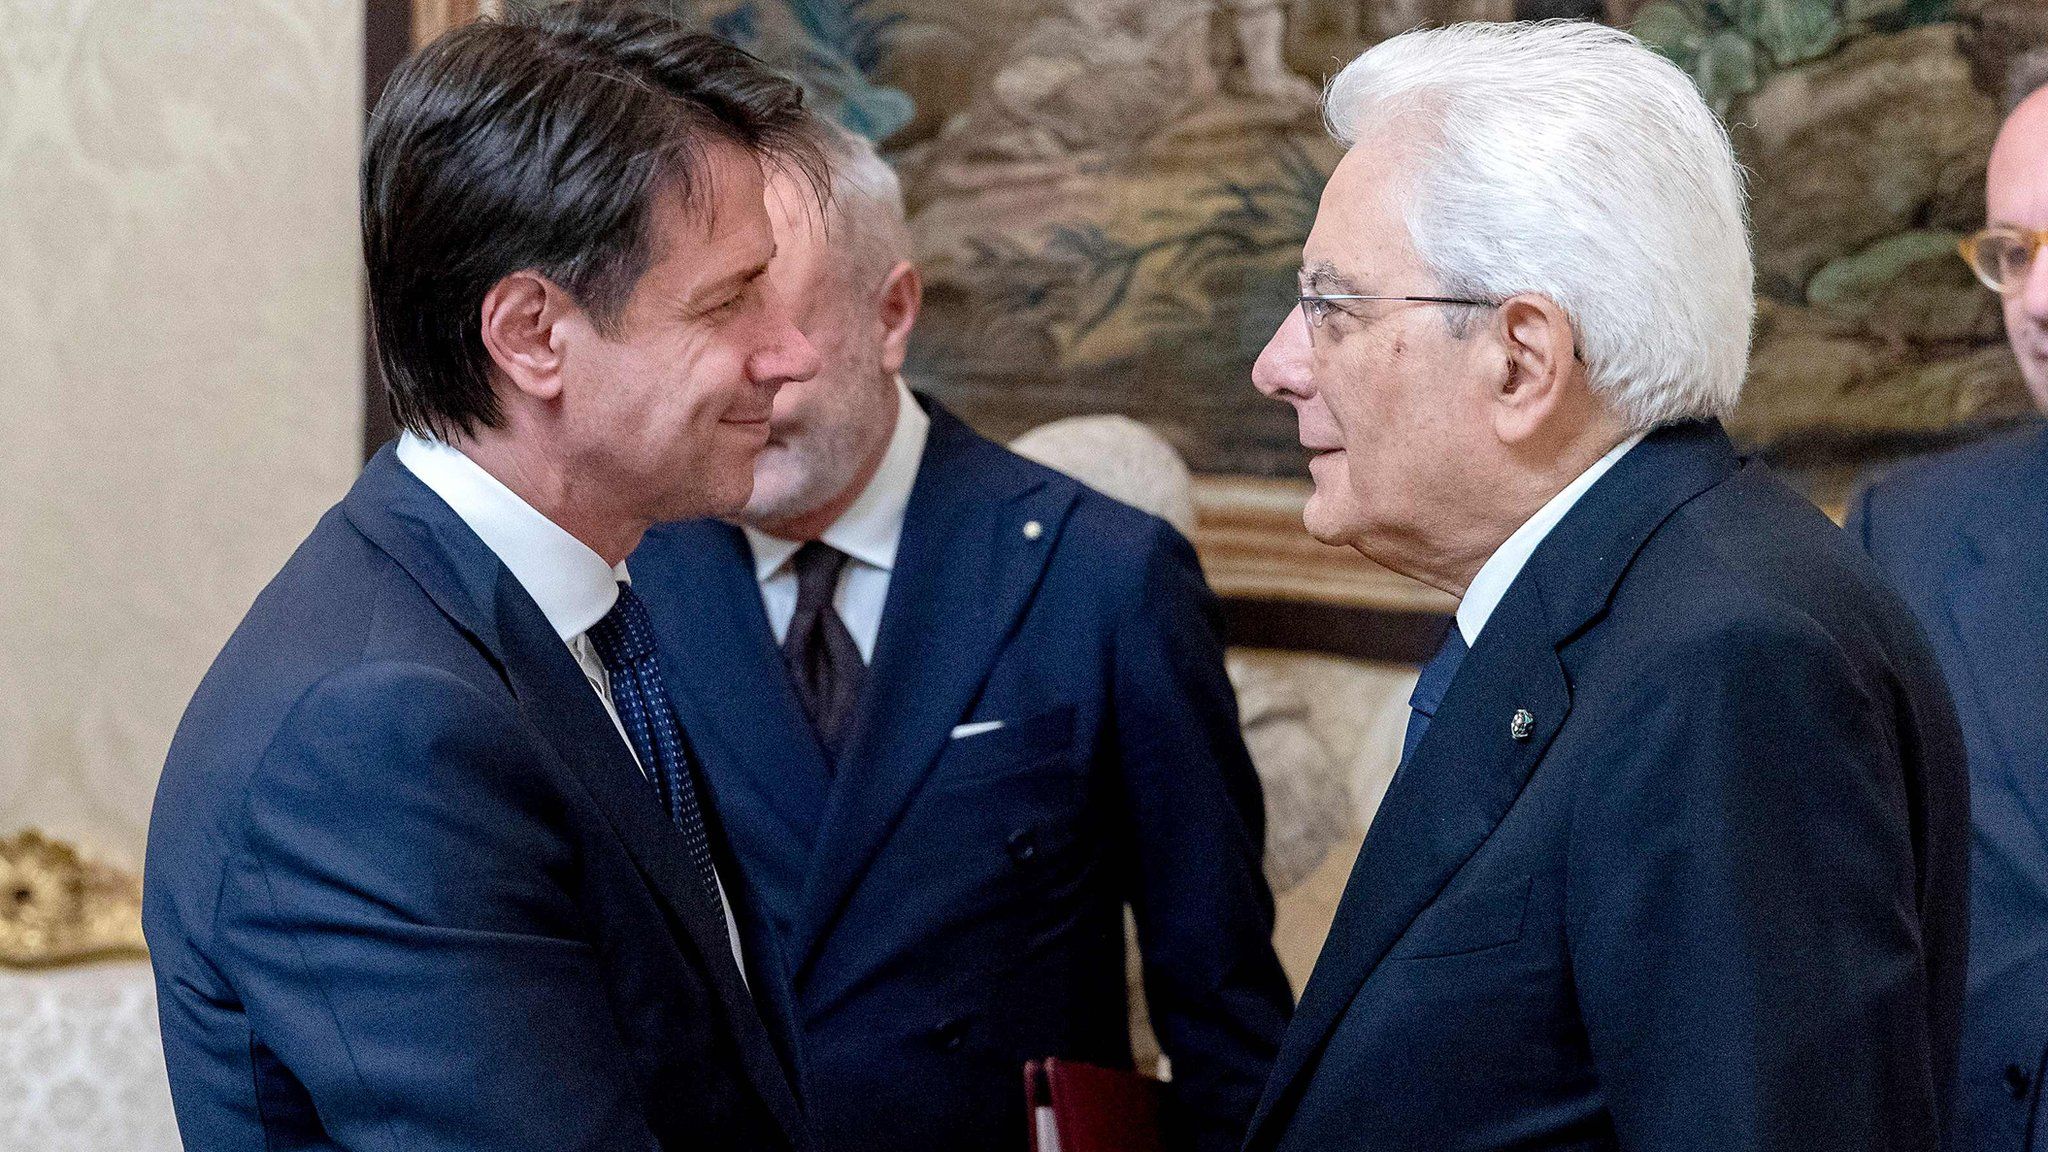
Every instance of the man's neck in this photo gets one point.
(555, 492)
(1448, 557)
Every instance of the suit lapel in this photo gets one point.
(965, 573)
(1470, 767)
(403, 517)
(1441, 806)
(1998, 602)
(761, 758)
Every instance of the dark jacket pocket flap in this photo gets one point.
(1023, 745)
(1482, 917)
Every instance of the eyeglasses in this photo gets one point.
(1316, 307)
(2001, 256)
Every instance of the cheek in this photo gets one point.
(1348, 386)
(2024, 312)
(703, 375)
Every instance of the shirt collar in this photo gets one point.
(1507, 561)
(872, 526)
(572, 584)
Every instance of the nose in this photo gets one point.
(1282, 369)
(786, 357)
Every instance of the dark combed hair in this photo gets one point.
(541, 142)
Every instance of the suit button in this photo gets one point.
(2017, 1081)
(1023, 846)
(950, 1034)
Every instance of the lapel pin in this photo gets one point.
(1523, 724)
(1033, 529)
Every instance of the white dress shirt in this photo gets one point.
(573, 585)
(1501, 568)
(868, 532)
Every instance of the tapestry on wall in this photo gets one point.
(1109, 196)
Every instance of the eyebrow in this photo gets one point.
(735, 278)
(1322, 277)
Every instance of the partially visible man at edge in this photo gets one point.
(1675, 858)
(428, 868)
(956, 710)
(1964, 536)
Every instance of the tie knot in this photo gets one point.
(817, 566)
(625, 637)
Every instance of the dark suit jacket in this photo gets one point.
(1964, 537)
(406, 888)
(1711, 896)
(950, 908)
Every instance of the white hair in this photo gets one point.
(867, 200)
(1567, 159)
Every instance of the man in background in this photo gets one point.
(1675, 856)
(1964, 536)
(956, 711)
(429, 867)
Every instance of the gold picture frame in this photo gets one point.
(58, 906)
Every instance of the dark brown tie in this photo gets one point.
(819, 651)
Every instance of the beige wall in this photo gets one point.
(181, 333)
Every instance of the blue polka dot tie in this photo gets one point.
(625, 642)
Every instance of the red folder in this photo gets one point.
(1077, 1107)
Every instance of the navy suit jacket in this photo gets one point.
(407, 890)
(1964, 537)
(1708, 893)
(950, 908)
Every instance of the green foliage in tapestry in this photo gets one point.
(1728, 47)
(1208, 279)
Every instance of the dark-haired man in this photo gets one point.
(428, 867)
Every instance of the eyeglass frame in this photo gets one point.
(1303, 299)
(2034, 238)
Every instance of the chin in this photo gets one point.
(1326, 524)
(774, 491)
(719, 495)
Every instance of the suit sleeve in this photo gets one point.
(1219, 1000)
(404, 938)
(1742, 904)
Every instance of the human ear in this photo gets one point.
(525, 317)
(1542, 365)
(901, 295)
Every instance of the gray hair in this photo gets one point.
(867, 201)
(1567, 159)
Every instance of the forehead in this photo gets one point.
(802, 225)
(723, 229)
(1358, 232)
(2016, 184)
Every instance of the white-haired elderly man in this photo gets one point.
(1676, 856)
(956, 711)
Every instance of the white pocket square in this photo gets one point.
(963, 731)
